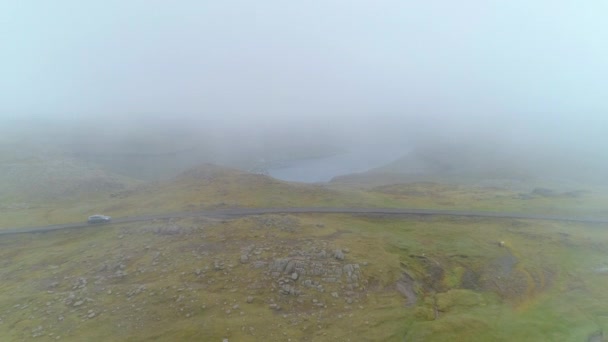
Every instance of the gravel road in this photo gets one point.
(239, 212)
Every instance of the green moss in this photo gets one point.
(458, 299)
(542, 285)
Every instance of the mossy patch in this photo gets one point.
(188, 280)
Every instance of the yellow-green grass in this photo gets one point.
(545, 281)
(54, 211)
(212, 187)
(209, 187)
(558, 293)
(463, 197)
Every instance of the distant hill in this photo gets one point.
(447, 162)
(485, 165)
(212, 186)
(52, 177)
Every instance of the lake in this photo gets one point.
(321, 170)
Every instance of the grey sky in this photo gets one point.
(445, 66)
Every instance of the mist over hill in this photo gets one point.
(158, 148)
(167, 116)
(490, 163)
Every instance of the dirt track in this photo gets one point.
(238, 212)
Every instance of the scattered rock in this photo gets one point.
(171, 229)
(405, 286)
(120, 274)
(136, 291)
(38, 331)
(338, 254)
(287, 289)
(70, 298)
(218, 265)
(285, 223)
(279, 265)
(80, 283)
(290, 267)
(259, 264)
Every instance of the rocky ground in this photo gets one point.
(278, 278)
(134, 277)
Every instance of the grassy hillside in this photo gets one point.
(303, 277)
(34, 187)
(471, 164)
(541, 201)
(307, 278)
(201, 188)
(65, 191)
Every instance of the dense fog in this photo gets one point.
(513, 83)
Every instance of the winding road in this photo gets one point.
(240, 212)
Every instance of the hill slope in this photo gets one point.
(306, 277)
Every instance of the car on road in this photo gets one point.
(99, 219)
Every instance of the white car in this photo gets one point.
(99, 219)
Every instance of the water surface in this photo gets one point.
(320, 170)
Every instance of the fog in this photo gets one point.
(242, 79)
